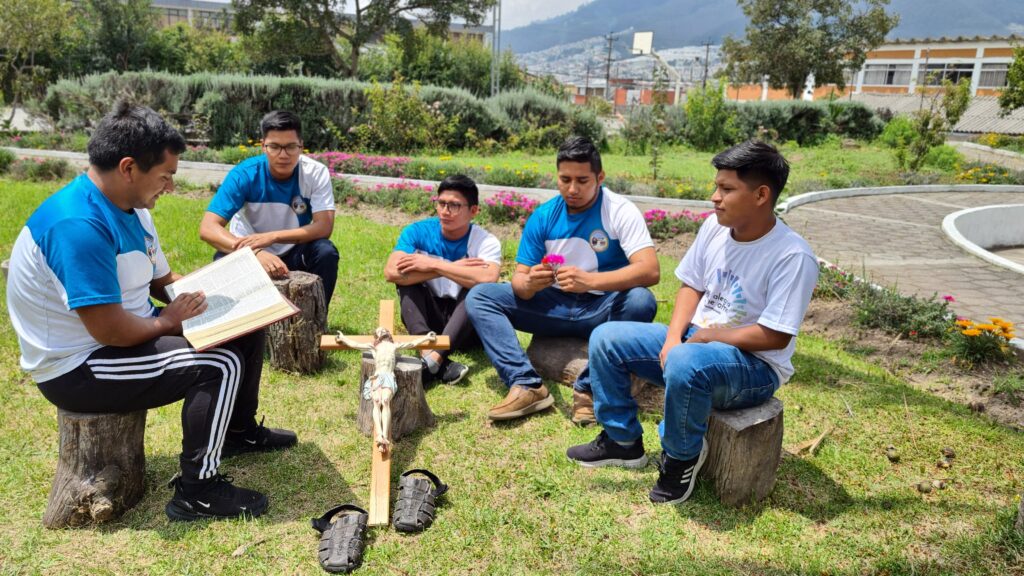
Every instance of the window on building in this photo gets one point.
(993, 75)
(935, 73)
(172, 16)
(887, 75)
(210, 19)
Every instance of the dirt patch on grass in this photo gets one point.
(918, 362)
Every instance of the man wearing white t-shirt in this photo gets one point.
(435, 263)
(280, 204)
(746, 283)
(585, 258)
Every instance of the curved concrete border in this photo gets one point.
(977, 229)
(811, 197)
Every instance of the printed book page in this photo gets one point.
(240, 298)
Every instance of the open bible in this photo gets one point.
(240, 298)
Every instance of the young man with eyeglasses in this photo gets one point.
(435, 263)
(609, 261)
(280, 204)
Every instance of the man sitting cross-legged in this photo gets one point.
(608, 260)
(280, 204)
(746, 283)
(435, 263)
(82, 272)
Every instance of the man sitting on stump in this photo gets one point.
(280, 204)
(82, 272)
(601, 259)
(746, 283)
(435, 263)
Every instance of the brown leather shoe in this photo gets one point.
(583, 408)
(521, 401)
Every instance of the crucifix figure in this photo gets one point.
(381, 385)
(390, 416)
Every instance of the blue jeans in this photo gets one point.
(697, 378)
(496, 313)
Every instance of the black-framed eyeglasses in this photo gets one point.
(453, 207)
(276, 149)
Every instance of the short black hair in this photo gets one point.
(757, 163)
(579, 149)
(132, 131)
(463, 185)
(281, 120)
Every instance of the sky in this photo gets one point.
(515, 13)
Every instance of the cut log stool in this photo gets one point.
(294, 343)
(101, 469)
(744, 451)
(409, 408)
(563, 359)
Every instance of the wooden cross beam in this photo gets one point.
(380, 471)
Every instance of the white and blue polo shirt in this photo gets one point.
(600, 239)
(254, 201)
(425, 237)
(77, 249)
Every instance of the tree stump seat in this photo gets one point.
(293, 344)
(409, 408)
(101, 468)
(745, 446)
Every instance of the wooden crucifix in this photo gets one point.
(409, 407)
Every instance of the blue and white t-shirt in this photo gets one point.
(768, 281)
(254, 201)
(600, 239)
(425, 237)
(77, 249)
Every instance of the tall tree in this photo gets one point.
(790, 39)
(28, 28)
(340, 35)
(125, 33)
(1013, 96)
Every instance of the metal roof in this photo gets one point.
(942, 39)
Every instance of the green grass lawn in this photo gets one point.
(517, 505)
(813, 168)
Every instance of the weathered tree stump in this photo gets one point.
(744, 451)
(1020, 516)
(409, 408)
(294, 343)
(101, 469)
(563, 359)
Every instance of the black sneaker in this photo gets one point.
(215, 498)
(258, 438)
(604, 451)
(677, 478)
(453, 372)
(426, 376)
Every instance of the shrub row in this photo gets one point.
(226, 109)
(34, 169)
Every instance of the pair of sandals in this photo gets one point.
(343, 528)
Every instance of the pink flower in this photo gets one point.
(949, 298)
(553, 261)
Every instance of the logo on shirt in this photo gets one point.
(299, 205)
(151, 249)
(598, 240)
(724, 301)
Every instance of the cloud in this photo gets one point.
(515, 13)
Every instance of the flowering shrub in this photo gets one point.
(834, 283)
(981, 173)
(41, 170)
(975, 343)
(527, 177)
(507, 206)
(664, 225)
(343, 163)
(240, 153)
(405, 196)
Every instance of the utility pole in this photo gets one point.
(608, 64)
(707, 55)
(586, 86)
(496, 50)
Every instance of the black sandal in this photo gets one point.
(342, 538)
(417, 499)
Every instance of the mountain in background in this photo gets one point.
(677, 23)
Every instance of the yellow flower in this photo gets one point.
(964, 323)
(444, 158)
(488, 168)
(1002, 323)
(971, 332)
(441, 172)
(987, 327)
(1009, 335)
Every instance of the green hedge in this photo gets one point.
(807, 123)
(226, 109)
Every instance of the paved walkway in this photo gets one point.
(897, 240)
